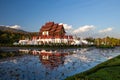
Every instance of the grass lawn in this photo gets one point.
(109, 70)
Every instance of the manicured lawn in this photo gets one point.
(109, 70)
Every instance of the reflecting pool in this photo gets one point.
(51, 64)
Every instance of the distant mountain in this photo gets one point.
(10, 35)
(7, 29)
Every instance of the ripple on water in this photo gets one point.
(33, 67)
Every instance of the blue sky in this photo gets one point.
(30, 15)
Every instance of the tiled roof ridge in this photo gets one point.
(52, 28)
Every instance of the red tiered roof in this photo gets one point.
(60, 27)
(49, 24)
(55, 26)
(53, 29)
(58, 30)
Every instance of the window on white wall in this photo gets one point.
(45, 33)
(42, 33)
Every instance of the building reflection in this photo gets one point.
(52, 59)
(49, 58)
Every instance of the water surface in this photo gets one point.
(41, 64)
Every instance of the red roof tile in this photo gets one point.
(53, 29)
(49, 24)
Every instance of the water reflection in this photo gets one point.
(41, 64)
(52, 59)
(49, 58)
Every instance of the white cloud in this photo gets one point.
(85, 28)
(15, 27)
(106, 30)
(66, 26)
(86, 31)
